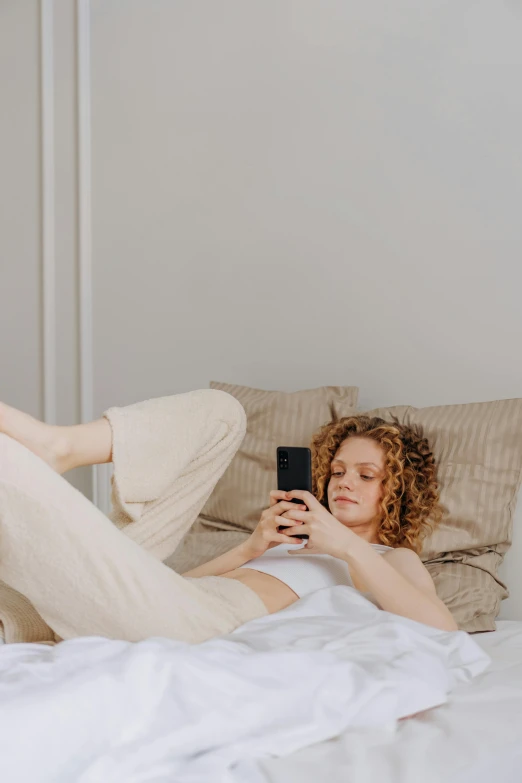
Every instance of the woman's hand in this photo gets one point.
(266, 534)
(326, 535)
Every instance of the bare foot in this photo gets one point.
(48, 442)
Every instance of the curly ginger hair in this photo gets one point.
(410, 506)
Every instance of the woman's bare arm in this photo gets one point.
(401, 584)
(265, 536)
(231, 560)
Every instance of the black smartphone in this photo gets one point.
(294, 471)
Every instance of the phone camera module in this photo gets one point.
(283, 460)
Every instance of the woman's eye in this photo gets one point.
(337, 473)
(368, 478)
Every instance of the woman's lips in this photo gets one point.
(345, 500)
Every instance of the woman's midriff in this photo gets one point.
(275, 594)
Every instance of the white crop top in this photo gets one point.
(307, 573)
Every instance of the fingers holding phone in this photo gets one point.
(269, 531)
(277, 495)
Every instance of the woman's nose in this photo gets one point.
(347, 481)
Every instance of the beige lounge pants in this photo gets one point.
(68, 571)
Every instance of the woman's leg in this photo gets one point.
(168, 455)
(82, 576)
(63, 448)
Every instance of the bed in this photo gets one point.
(392, 700)
(96, 710)
(93, 709)
(475, 738)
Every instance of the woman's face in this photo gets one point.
(356, 485)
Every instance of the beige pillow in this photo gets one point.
(478, 450)
(273, 419)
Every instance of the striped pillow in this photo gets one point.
(478, 450)
(273, 419)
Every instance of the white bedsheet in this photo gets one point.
(476, 737)
(114, 712)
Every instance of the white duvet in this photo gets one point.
(95, 710)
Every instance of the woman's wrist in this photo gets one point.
(352, 545)
(240, 555)
(247, 550)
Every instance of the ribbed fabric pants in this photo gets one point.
(67, 570)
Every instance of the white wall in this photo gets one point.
(20, 316)
(285, 193)
(36, 37)
(296, 193)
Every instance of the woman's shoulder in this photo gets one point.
(403, 549)
(402, 554)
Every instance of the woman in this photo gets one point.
(69, 572)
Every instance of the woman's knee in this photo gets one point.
(227, 408)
